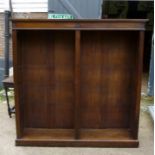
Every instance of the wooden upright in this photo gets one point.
(77, 82)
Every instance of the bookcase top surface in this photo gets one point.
(81, 20)
(79, 24)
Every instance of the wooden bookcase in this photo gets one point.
(77, 82)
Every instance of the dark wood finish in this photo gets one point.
(106, 76)
(88, 138)
(16, 62)
(139, 64)
(112, 24)
(77, 82)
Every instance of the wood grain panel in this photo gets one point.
(48, 80)
(105, 24)
(64, 79)
(107, 78)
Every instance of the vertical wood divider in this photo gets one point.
(19, 122)
(77, 84)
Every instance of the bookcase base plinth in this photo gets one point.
(88, 138)
(78, 143)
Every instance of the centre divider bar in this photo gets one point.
(77, 84)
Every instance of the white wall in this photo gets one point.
(2, 5)
(25, 5)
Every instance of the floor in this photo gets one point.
(7, 136)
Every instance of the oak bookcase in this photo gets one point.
(77, 82)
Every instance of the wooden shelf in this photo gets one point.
(78, 82)
(85, 134)
(88, 137)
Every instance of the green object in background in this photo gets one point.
(60, 16)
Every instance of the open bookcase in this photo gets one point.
(77, 82)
